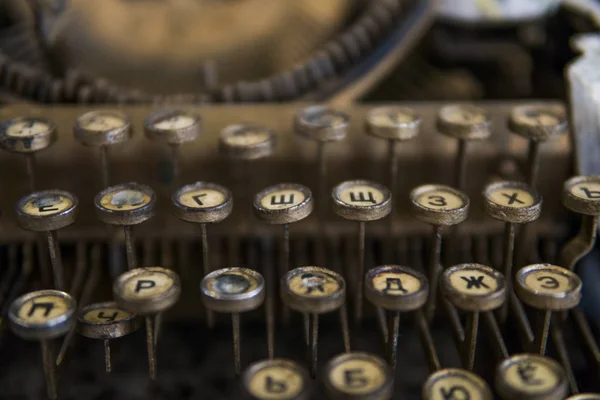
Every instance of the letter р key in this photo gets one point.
(530, 377)
(455, 384)
(147, 291)
(358, 376)
(43, 315)
(276, 379)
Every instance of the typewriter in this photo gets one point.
(381, 200)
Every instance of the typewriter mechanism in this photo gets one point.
(277, 200)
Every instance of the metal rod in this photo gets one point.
(151, 347)
(105, 165)
(269, 302)
(533, 162)
(507, 265)
(427, 341)
(174, 158)
(322, 200)
(55, 259)
(130, 247)
(382, 323)
(358, 307)
(470, 343)
(586, 334)
(235, 323)
(41, 250)
(345, 328)
(285, 265)
(434, 270)
(563, 356)
(581, 244)
(157, 326)
(392, 342)
(496, 335)
(393, 156)
(30, 169)
(461, 165)
(543, 320)
(210, 316)
(312, 344)
(107, 361)
(457, 328)
(306, 326)
(49, 369)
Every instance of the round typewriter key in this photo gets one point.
(361, 201)
(585, 396)
(313, 291)
(395, 289)
(27, 136)
(465, 123)
(203, 203)
(549, 288)
(233, 290)
(126, 205)
(537, 123)
(102, 129)
(246, 142)
(453, 383)
(147, 291)
(173, 127)
(276, 379)
(43, 315)
(529, 376)
(358, 376)
(474, 288)
(48, 211)
(106, 321)
(437, 205)
(581, 194)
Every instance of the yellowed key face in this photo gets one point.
(23, 129)
(548, 281)
(462, 114)
(456, 384)
(357, 376)
(46, 205)
(125, 200)
(282, 199)
(473, 282)
(391, 118)
(247, 136)
(512, 197)
(586, 190)
(438, 199)
(276, 383)
(361, 196)
(175, 122)
(102, 122)
(396, 284)
(315, 284)
(106, 315)
(202, 198)
(531, 377)
(43, 309)
(147, 285)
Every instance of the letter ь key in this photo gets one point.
(475, 288)
(147, 291)
(43, 315)
(358, 376)
(276, 379)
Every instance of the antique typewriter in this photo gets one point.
(386, 199)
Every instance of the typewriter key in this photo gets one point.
(106, 321)
(361, 201)
(437, 205)
(103, 129)
(173, 127)
(246, 142)
(358, 376)
(453, 383)
(549, 288)
(147, 291)
(396, 125)
(27, 136)
(475, 288)
(581, 194)
(537, 123)
(529, 376)
(203, 203)
(314, 291)
(126, 205)
(48, 211)
(276, 379)
(585, 396)
(43, 315)
(395, 289)
(513, 203)
(233, 290)
(465, 123)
